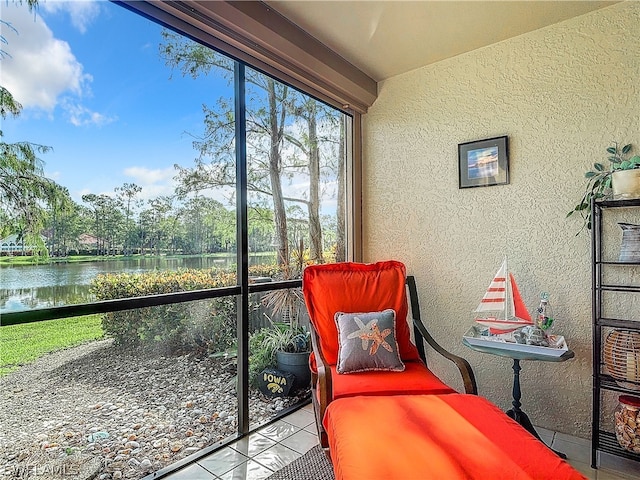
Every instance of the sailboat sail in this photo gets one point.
(495, 298)
(501, 308)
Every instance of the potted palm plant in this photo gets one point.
(288, 340)
(621, 180)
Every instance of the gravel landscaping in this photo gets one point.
(94, 411)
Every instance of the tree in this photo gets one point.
(24, 190)
(59, 217)
(308, 111)
(126, 195)
(341, 216)
(278, 118)
(160, 207)
(107, 222)
(217, 141)
(277, 114)
(23, 187)
(65, 223)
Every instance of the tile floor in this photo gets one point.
(274, 446)
(260, 454)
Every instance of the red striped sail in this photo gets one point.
(502, 309)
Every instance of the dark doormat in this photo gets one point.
(313, 465)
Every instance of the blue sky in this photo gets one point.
(94, 88)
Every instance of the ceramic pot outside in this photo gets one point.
(296, 363)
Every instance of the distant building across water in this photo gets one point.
(14, 245)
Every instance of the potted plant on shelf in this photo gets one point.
(621, 179)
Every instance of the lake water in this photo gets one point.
(41, 286)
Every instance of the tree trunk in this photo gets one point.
(54, 226)
(315, 230)
(341, 250)
(275, 162)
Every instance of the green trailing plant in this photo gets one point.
(287, 338)
(264, 343)
(260, 355)
(599, 179)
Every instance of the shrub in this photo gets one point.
(205, 325)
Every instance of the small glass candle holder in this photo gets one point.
(543, 316)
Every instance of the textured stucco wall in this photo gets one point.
(561, 94)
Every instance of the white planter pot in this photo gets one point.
(626, 183)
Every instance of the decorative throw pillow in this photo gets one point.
(367, 341)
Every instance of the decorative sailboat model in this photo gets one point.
(502, 309)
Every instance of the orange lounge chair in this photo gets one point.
(363, 288)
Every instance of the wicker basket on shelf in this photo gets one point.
(622, 357)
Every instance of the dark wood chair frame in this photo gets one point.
(321, 390)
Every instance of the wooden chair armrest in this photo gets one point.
(324, 374)
(321, 388)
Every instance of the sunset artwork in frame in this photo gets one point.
(483, 163)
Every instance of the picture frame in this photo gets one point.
(483, 163)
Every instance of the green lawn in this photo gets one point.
(20, 260)
(21, 344)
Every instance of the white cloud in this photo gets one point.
(154, 182)
(87, 191)
(161, 182)
(80, 115)
(53, 175)
(40, 68)
(81, 12)
(147, 175)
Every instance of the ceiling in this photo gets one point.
(387, 38)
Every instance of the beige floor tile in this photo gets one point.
(622, 467)
(585, 469)
(545, 435)
(253, 444)
(574, 451)
(277, 457)
(313, 429)
(301, 418)
(301, 441)
(585, 442)
(606, 474)
(250, 470)
(223, 460)
(192, 472)
(278, 430)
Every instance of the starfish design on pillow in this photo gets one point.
(371, 332)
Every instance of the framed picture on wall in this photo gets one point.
(484, 163)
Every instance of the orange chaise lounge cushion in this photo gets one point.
(356, 288)
(415, 379)
(435, 437)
